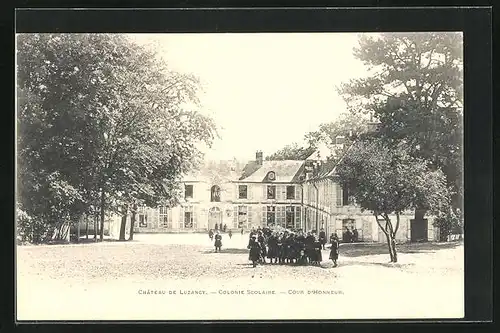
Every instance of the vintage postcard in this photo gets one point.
(239, 176)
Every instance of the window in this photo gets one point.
(345, 196)
(142, 217)
(271, 215)
(290, 217)
(189, 218)
(243, 192)
(271, 192)
(290, 192)
(163, 218)
(143, 220)
(338, 195)
(215, 194)
(280, 216)
(188, 191)
(297, 217)
(241, 217)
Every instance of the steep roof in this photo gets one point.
(286, 171)
(216, 171)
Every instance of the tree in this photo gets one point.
(103, 119)
(385, 179)
(415, 89)
(348, 125)
(292, 152)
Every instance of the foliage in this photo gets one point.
(415, 89)
(292, 152)
(385, 179)
(101, 122)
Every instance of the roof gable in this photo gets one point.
(286, 171)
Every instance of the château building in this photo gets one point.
(295, 194)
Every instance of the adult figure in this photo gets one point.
(309, 246)
(334, 251)
(347, 235)
(225, 227)
(242, 231)
(218, 242)
(211, 234)
(255, 251)
(272, 251)
(354, 235)
(216, 226)
(220, 226)
(230, 234)
(322, 238)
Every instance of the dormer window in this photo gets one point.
(271, 175)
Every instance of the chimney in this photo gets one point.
(259, 157)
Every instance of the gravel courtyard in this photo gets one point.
(178, 276)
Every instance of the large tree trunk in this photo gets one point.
(86, 227)
(123, 223)
(96, 219)
(103, 201)
(78, 229)
(132, 221)
(390, 234)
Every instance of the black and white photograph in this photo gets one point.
(239, 176)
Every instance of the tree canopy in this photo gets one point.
(414, 88)
(385, 179)
(100, 121)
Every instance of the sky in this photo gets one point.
(263, 90)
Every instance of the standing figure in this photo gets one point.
(272, 251)
(347, 235)
(218, 242)
(355, 235)
(230, 234)
(216, 227)
(255, 251)
(225, 227)
(322, 238)
(334, 251)
(211, 234)
(220, 226)
(318, 257)
(309, 247)
(242, 231)
(262, 243)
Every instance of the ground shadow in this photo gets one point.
(227, 251)
(366, 249)
(80, 242)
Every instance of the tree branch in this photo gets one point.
(382, 228)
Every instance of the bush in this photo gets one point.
(30, 229)
(450, 223)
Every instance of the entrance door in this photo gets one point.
(214, 217)
(418, 230)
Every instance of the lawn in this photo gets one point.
(117, 280)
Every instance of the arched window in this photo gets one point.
(215, 194)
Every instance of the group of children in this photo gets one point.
(290, 247)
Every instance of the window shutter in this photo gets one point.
(249, 216)
(155, 218)
(297, 192)
(195, 217)
(181, 219)
(264, 192)
(235, 217)
(249, 192)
